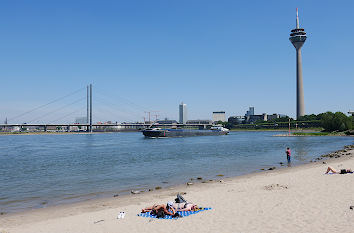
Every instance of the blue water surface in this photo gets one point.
(41, 170)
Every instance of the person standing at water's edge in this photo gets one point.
(288, 154)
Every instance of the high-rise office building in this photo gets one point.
(219, 116)
(250, 112)
(183, 113)
(298, 38)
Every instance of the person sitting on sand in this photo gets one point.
(167, 209)
(342, 171)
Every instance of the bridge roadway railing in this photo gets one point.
(136, 126)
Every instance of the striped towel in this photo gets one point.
(181, 213)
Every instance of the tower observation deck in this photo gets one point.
(298, 38)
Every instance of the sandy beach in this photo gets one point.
(294, 199)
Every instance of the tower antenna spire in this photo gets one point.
(297, 19)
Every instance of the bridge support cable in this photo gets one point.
(44, 105)
(115, 109)
(100, 110)
(36, 120)
(65, 116)
(130, 103)
(109, 103)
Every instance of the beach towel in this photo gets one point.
(181, 213)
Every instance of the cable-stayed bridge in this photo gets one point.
(55, 114)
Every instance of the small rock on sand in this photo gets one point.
(158, 187)
(199, 178)
(189, 183)
(115, 195)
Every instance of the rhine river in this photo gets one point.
(41, 170)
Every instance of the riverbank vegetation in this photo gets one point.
(327, 123)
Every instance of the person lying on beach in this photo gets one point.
(342, 171)
(171, 208)
(167, 209)
(184, 206)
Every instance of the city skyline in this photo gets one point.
(211, 55)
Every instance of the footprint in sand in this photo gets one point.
(275, 187)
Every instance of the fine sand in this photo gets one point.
(296, 199)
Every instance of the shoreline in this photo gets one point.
(134, 202)
(136, 190)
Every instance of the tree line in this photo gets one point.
(329, 121)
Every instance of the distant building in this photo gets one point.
(52, 128)
(15, 129)
(250, 111)
(253, 118)
(219, 116)
(235, 120)
(273, 117)
(201, 122)
(250, 117)
(351, 112)
(183, 113)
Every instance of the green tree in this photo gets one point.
(311, 117)
(335, 121)
(229, 125)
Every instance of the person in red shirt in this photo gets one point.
(288, 154)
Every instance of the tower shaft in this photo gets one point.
(300, 105)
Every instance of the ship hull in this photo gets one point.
(181, 133)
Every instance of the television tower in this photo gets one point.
(297, 38)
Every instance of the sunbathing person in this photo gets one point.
(167, 209)
(342, 171)
(184, 206)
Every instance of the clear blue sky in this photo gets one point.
(151, 55)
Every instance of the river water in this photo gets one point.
(41, 170)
